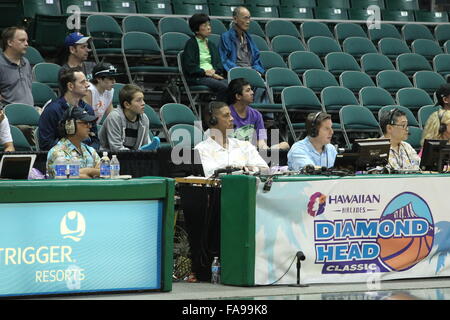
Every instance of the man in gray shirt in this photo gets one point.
(15, 69)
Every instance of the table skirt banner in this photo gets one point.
(352, 230)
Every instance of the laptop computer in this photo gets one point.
(16, 166)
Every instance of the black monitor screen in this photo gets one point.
(435, 154)
(366, 154)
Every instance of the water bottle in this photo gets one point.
(105, 166)
(115, 167)
(215, 271)
(60, 166)
(74, 166)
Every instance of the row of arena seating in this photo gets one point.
(391, 10)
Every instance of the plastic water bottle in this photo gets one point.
(115, 167)
(74, 166)
(105, 166)
(215, 271)
(60, 166)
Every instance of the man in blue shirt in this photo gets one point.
(74, 87)
(315, 149)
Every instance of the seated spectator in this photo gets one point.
(248, 122)
(316, 149)
(402, 156)
(74, 87)
(15, 69)
(437, 127)
(220, 151)
(100, 92)
(75, 54)
(75, 127)
(201, 60)
(6, 139)
(127, 127)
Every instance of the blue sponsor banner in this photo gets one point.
(72, 247)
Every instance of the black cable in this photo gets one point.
(271, 284)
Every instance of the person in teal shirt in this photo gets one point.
(201, 61)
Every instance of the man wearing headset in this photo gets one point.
(219, 150)
(316, 149)
(74, 127)
(394, 125)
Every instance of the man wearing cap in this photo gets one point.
(100, 92)
(74, 87)
(15, 69)
(77, 47)
(75, 127)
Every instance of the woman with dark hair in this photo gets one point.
(201, 61)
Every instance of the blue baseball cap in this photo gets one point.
(75, 38)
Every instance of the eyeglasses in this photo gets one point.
(84, 123)
(403, 126)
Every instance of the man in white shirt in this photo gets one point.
(220, 151)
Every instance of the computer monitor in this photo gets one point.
(365, 154)
(435, 154)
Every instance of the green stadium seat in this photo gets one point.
(331, 13)
(392, 47)
(117, 87)
(374, 98)
(441, 64)
(442, 33)
(264, 11)
(412, 32)
(386, 30)
(270, 59)
(358, 46)
(20, 142)
(255, 28)
(402, 4)
(343, 4)
(363, 4)
(33, 56)
(47, 73)
(285, 45)
(159, 7)
(296, 12)
(222, 10)
(410, 63)
(427, 48)
(397, 15)
(356, 119)
(214, 38)
(298, 3)
(171, 44)
(431, 16)
(301, 100)
(300, 61)
(447, 46)
(217, 26)
(323, 45)
(334, 98)
(413, 98)
(118, 6)
(372, 63)
(172, 114)
(22, 114)
(280, 27)
(279, 78)
(311, 29)
(428, 81)
(355, 80)
(338, 62)
(343, 31)
(190, 7)
(106, 36)
(360, 14)
(174, 24)
(317, 80)
(392, 80)
(260, 42)
(184, 135)
(424, 113)
(85, 6)
(42, 93)
(141, 24)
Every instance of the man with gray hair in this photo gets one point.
(237, 49)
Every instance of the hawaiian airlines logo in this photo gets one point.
(73, 226)
(316, 204)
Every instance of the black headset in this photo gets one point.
(67, 126)
(391, 116)
(442, 126)
(212, 121)
(314, 131)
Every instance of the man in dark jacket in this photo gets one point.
(74, 86)
(201, 60)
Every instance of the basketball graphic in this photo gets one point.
(316, 204)
(402, 251)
